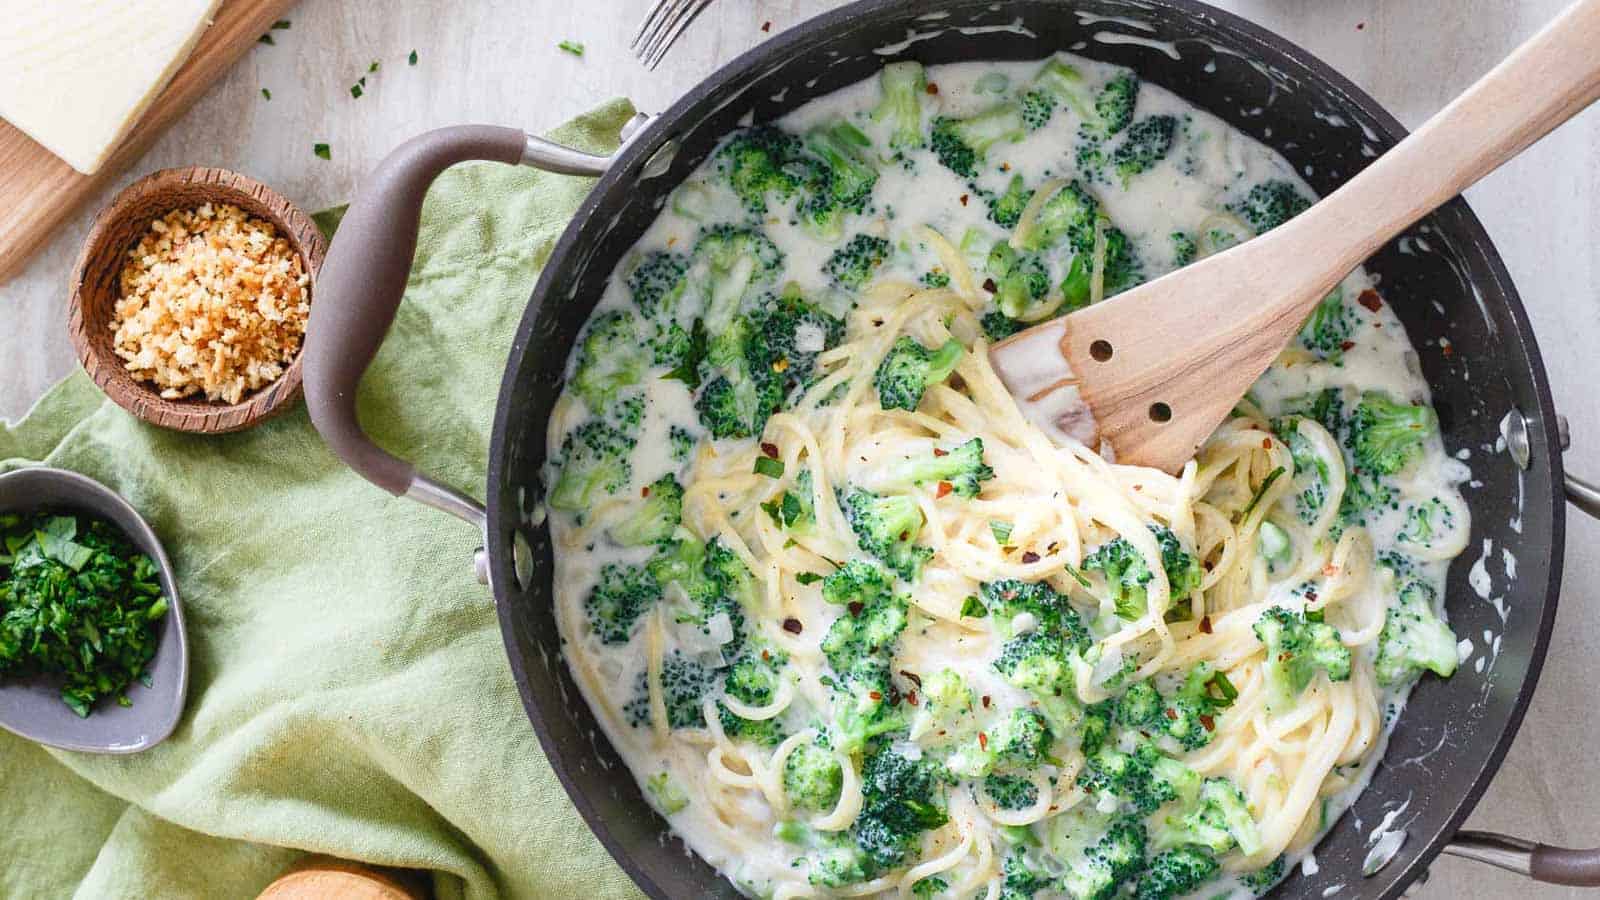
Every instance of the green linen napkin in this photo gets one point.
(349, 691)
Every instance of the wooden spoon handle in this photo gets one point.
(1544, 82)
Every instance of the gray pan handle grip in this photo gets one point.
(1541, 862)
(363, 278)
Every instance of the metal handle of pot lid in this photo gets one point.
(363, 279)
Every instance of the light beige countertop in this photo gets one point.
(496, 61)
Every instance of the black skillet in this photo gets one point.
(1450, 289)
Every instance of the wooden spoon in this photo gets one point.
(1153, 371)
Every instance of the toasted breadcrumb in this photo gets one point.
(213, 301)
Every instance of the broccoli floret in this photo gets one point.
(866, 628)
(934, 278)
(1184, 249)
(728, 262)
(909, 368)
(655, 517)
(794, 510)
(684, 683)
(962, 469)
(1140, 779)
(1121, 269)
(1385, 436)
(758, 163)
(929, 887)
(1022, 739)
(683, 442)
(961, 144)
(998, 326)
(787, 333)
(1055, 83)
(1190, 713)
(812, 778)
(1297, 648)
(852, 265)
(1019, 881)
(669, 795)
(1020, 606)
(857, 581)
(840, 862)
(1036, 661)
(903, 84)
(1146, 143)
(1010, 791)
(887, 527)
(657, 284)
(1067, 214)
(1263, 879)
(1422, 519)
(1414, 638)
(1128, 576)
(945, 702)
(1328, 328)
(594, 456)
(1005, 209)
(1037, 107)
(1270, 204)
(1364, 491)
(1219, 821)
(841, 183)
(682, 561)
(1176, 873)
(1113, 107)
(900, 799)
(865, 704)
(766, 732)
(1109, 863)
(623, 594)
(753, 677)
(1310, 470)
(713, 579)
(1140, 707)
(1021, 282)
(608, 360)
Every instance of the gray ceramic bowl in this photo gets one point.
(32, 707)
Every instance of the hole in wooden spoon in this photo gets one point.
(1160, 412)
(1100, 350)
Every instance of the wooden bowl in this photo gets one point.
(96, 289)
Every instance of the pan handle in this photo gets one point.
(1541, 862)
(363, 278)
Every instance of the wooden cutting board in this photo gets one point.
(38, 191)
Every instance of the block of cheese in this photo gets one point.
(76, 74)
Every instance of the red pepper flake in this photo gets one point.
(1330, 570)
(1209, 723)
(956, 381)
(985, 701)
(855, 607)
(771, 450)
(1205, 624)
(1030, 557)
(874, 695)
(766, 655)
(1346, 345)
(938, 452)
(1172, 714)
(983, 741)
(1005, 167)
(644, 491)
(1311, 596)
(766, 26)
(964, 199)
(933, 87)
(912, 677)
(990, 286)
(1447, 348)
(1266, 443)
(1370, 299)
(911, 697)
(945, 487)
(792, 626)
(1361, 26)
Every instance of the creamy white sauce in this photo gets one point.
(1209, 167)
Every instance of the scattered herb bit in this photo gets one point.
(355, 89)
(1261, 491)
(281, 25)
(974, 607)
(807, 577)
(1001, 531)
(1225, 690)
(266, 39)
(76, 600)
(766, 465)
(412, 59)
(573, 47)
(322, 151)
(266, 94)
(372, 68)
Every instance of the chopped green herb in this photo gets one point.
(573, 47)
(355, 89)
(412, 59)
(76, 600)
(280, 25)
(372, 68)
(266, 94)
(266, 39)
(1225, 690)
(322, 151)
(1001, 531)
(808, 577)
(766, 465)
(974, 607)
(1261, 491)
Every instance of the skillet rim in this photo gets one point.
(630, 159)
